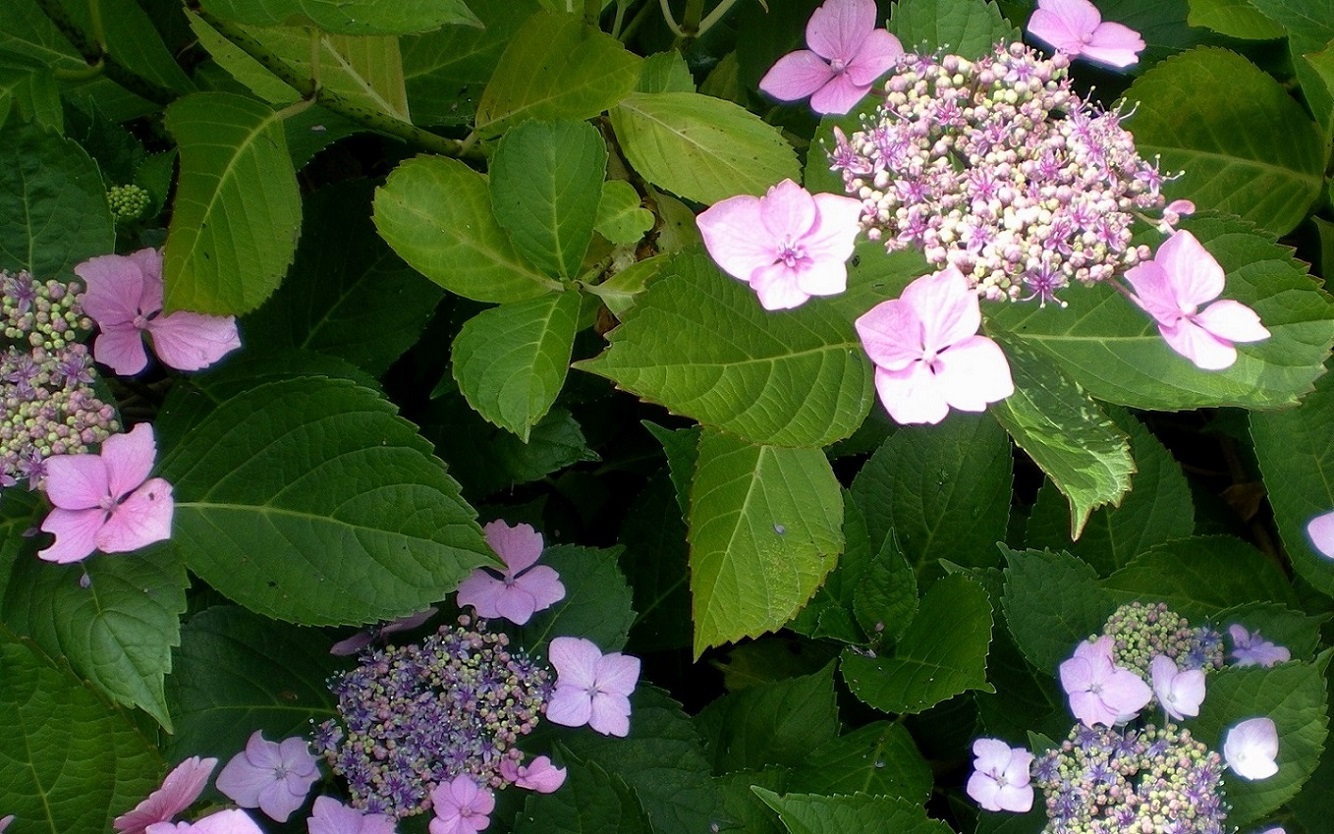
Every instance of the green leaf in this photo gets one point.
(885, 599)
(1246, 148)
(830, 612)
(682, 449)
(970, 28)
(596, 605)
(348, 295)
(772, 723)
(742, 809)
(1065, 433)
(1113, 351)
(621, 291)
(556, 68)
(1296, 455)
(217, 696)
(1158, 508)
(53, 204)
(20, 511)
(814, 814)
(130, 37)
(237, 212)
(879, 758)
(1161, 23)
(944, 490)
(116, 633)
(764, 530)
(621, 217)
(69, 761)
(1310, 30)
(942, 654)
(546, 180)
(591, 799)
(1234, 18)
(665, 72)
(29, 92)
(701, 148)
(1052, 603)
(436, 214)
(354, 519)
(348, 17)
(699, 343)
(656, 561)
(1200, 576)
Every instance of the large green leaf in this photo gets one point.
(310, 500)
(510, 361)
(656, 561)
(1246, 147)
(1234, 18)
(970, 28)
(815, 814)
(436, 214)
(69, 762)
(1114, 352)
(1083, 453)
(130, 37)
(771, 723)
(591, 799)
(237, 213)
(942, 654)
(830, 612)
(879, 758)
(348, 17)
(1310, 30)
(765, 528)
(596, 605)
(117, 632)
(701, 148)
(556, 67)
(699, 343)
(1052, 603)
(53, 205)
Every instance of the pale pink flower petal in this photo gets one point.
(519, 546)
(121, 348)
(610, 715)
(75, 532)
(838, 28)
(1321, 531)
(728, 229)
(515, 604)
(777, 289)
(1232, 321)
(1114, 44)
(838, 96)
(911, 395)
(361, 640)
(617, 674)
(274, 777)
(796, 75)
(5, 821)
(116, 288)
(1194, 274)
(191, 341)
(128, 458)
(575, 660)
(1253, 650)
(1179, 692)
(230, 821)
(1101, 692)
(539, 775)
(1205, 350)
(543, 584)
(329, 816)
(482, 591)
(461, 807)
(353, 644)
(523, 589)
(1075, 27)
(972, 373)
(879, 53)
(570, 707)
(591, 687)
(1251, 747)
(179, 791)
(1000, 778)
(76, 482)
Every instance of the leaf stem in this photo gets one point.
(592, 12)
(670, 20)
(714, 16)
(690, 20)
(98, 59)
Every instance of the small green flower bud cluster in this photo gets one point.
(1142, 632)
(128, 202)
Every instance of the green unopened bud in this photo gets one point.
(128, 202)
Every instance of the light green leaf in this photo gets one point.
(348, 17)
(237, 212)
(238, 63)
(556, 68)
(621, 217)
(596, 605)
(1052, 602)
(354, 519)
(1234, 18)
(546, 180)
(701, 148)
(765, 528)
(699, 343)
(942, 654)
(436, 214)
(970, 28)
(879, 758)
(665, 72)
(771, 723)
(510, 361)
(815, 814)
(1065, 433)
(1246, 147)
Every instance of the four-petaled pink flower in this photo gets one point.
(927, 354)
(461, 807)
(230, 821)
(1180, 692)
(1075, 27)
(1321, 531)
(1173, 286)
(362, 639)
(1100, 691)
(106, 501)
(591, 688)
(179, 790)
(329, 816)
(124, 297)
(788, 245)
(1251, 747)
(271, 776)
(1250, 649)
(847, 54)
(1000, 776)
(524, 588)
(538, 775)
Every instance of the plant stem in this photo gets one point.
(714, 16)
(95, 55)
(671, 21)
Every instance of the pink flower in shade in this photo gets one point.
(1075, 27)
(927, 354)
(329, 816)
(591, 688)
(106, 501)
(461, 807)
(362, 639)
(1174, 285)
(230, 821)
(847, 54)
(788, 245)
(179, 790)
(1321, 531)
(1173, 213)
(269, 775)
(1251, 747)
(1180, 692)
(524, 588)
(124, 297)
(1100, 691)
(1000, 776)
(538, 775)
(1250, 649)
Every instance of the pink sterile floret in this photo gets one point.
(329, 816)
(1251, 649)
(271, 776)
(1321, 531)
(1251, 747)
(524, 588)
(461, 807)
(179, 790)
(230, 821)
(1179, 691)
(106, 501)
(927, 354)
(124, 297)
(1174, 285)
(1075, 27)
(1100, 691)
(1000, 776)
(538, 775)
(591, 688)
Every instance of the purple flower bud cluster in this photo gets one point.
(997, 167)
(1148, 781)
(50, 406)
(1142, 632)
(417, 716)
